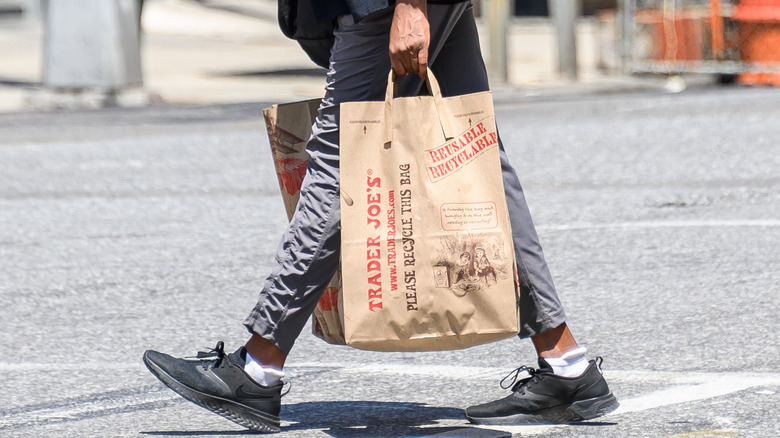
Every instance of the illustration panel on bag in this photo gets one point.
(472, 262)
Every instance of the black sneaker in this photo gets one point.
(543, 397)
(218, 382)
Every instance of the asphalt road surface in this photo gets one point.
(128, 229)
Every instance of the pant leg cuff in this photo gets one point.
(542, 324)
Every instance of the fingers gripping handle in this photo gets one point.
(433, 87)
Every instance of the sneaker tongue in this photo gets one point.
(544, 366)
(238, 356)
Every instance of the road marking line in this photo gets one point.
(62, 366)
(716, 386)
(451, 371)
(663, 224)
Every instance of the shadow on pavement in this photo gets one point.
(593, 423)
(379, 419)
(6, 82)
(310, 72)
(200, 432)
(364, 419)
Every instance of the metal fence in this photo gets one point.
(704, 36)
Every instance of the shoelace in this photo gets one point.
(217, 352)
(516, 384)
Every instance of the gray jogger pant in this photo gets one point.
(308, 255)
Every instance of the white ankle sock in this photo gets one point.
(266, 376)
(572, 364)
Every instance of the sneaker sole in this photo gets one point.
(245, 416)
(578, 411)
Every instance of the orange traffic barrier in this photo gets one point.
(758, 37)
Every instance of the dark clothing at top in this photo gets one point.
(360, 9)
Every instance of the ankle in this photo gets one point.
(265, 352)
(554, 342)
(569, 364)
(261, 374)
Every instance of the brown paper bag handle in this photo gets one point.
(433, 87)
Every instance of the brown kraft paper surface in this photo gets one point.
(425, 231)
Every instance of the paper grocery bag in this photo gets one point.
(289, 128)
(426, 240)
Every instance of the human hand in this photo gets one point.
(410, 36)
